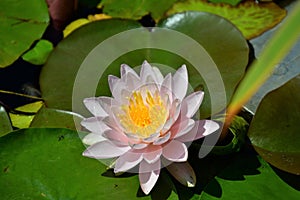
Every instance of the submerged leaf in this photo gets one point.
(274, 131)
(251, 18)
(21, 120)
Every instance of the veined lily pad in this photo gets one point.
(213, 33)
(40, 163)
(21, 23)
(251, 18)
(136, 9)
(274, 130)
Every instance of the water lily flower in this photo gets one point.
(146, 124)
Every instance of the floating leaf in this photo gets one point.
(249, 177)
(21, 23)
(231, 2)
(251, 18)
(22, 120)
(52, 118)
(74, 25)
(212, 32)
(47, 164)
(274, 131)
(5, 124)
(40, 52)
(136, 9)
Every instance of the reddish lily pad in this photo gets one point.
(251, 18)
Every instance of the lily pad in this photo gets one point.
(231, 2)
(40, 52)
(274, 130)
(53, 118)
(136, 9)
(47, 164)
(5, 124)
(213, 33)
(252, 19)
(21, 23)
(249, 177)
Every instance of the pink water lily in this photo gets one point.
(146, 123)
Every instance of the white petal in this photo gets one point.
(180, 83)
(148, 179)
(93, 105)
(175, 151)
(94, 124)
(105, 149)
(112, 81)
(147, 75)
(127, 161)
(93, 138)
(159, 77)
(210, 127)
(201, 129)
(125, 69)
(191, 103)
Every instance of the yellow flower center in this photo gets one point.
(144, 117)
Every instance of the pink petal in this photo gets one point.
(93, 105)
(139, 146)
(152, 154)
(151, 138)
(95, 124)
(105, 149)
(148, 179)
(191, 104)
(116, 137)
(175, 151)
(128, 160)
(180, 83)
(201, 129)
(163, 139)
(125, 69)
(186, 126)
(93, 138)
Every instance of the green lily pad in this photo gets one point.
(21, 23)
(274, 130)
(251, 18)
(231, 2)
(52, 118)
(47, 164)
(21, 120)
(39, 54)
(213, 33)
(249, 177)
(5, 124)
(136, 9)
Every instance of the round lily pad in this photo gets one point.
(21, 23)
